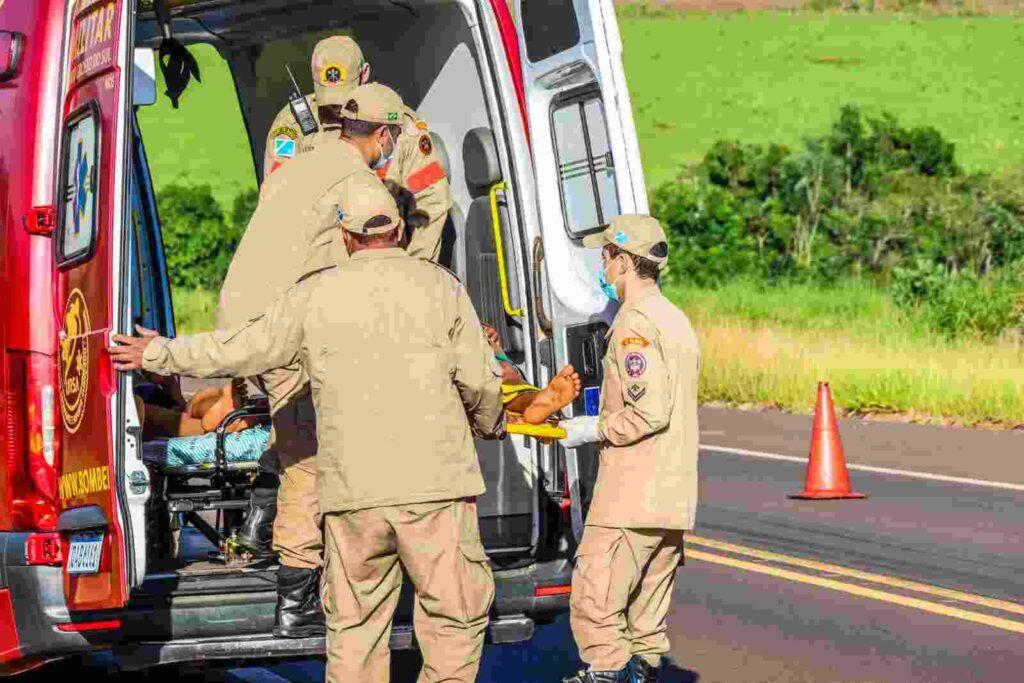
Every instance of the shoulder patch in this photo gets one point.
(636, 341)
(426, 145)
(284, 131)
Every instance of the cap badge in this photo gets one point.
(620, 237)
(332, 73)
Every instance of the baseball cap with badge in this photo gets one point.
(372, 212)
(337, 64)
(636, 233)
(374, 103)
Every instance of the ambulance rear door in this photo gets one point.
(587, 165)
(101, 520)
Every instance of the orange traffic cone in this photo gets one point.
(826, 469)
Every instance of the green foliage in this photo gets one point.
(197, 240)
(870, 197)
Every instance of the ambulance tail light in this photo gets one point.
(32, 445)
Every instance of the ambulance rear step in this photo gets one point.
(131, 656)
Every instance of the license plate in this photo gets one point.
(85, 553)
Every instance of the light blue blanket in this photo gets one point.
(244, 446)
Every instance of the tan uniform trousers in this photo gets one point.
(297, 538)
(439, 546)
(621, 591)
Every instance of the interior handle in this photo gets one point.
(538, 290)
(500, 247)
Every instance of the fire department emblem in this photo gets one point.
(332, 74)
(74, 361)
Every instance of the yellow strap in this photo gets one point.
(544, 430)
(509, 392)
(500, 247)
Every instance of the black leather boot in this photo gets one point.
(299, 613)
(642, 672)
(257, 529)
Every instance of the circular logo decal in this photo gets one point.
(635, 364)
(332, 74)
(74, 361)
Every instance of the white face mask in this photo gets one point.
(384, 159)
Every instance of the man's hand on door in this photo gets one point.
(126, 354)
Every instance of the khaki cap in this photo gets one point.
(372, 212)
(337, 62)
(374, 103)
(638, 234)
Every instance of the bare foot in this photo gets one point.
(232, 396)
(560, 392)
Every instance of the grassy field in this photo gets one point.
(204, 140)
(771, 347)
(775, 77)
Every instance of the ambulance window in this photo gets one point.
(549, 27)
(585, 168)
(79, 172)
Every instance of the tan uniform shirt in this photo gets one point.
(293, 232)
(648, 472)
(397, 361)
(416, 168)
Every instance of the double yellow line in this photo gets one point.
(857, 589)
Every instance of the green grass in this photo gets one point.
(204, 140)
(771, 347)
(778, 77)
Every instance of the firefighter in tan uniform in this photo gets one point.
(646, 491)
(293, 232)
(382, 336)
(338, 66)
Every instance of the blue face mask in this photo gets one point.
(607, 287)
(384, 159)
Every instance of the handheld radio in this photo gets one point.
(300, 108)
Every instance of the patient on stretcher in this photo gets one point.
(200, 415)
(525, 402)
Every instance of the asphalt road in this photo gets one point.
(921, 581)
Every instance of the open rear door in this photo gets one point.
(588, 169)
(100, 563)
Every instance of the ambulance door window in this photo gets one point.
(79, 179)
(585, 167)
(549, 27)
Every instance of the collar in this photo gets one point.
(373, 254)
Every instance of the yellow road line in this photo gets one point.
(923, 605)
(891, 581)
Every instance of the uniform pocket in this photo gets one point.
(592, 578)
(476, 579)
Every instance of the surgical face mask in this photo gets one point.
(384, 159)
(607, 287)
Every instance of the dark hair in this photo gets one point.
(354, 128)
(645, 268)
(381, 239)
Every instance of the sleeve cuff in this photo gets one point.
(153, 354)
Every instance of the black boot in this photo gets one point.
(591, 676)
(257, 530)
(642, 672)
(299, 613)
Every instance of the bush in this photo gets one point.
(963, 303)
(868, 197)
(198, 242)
